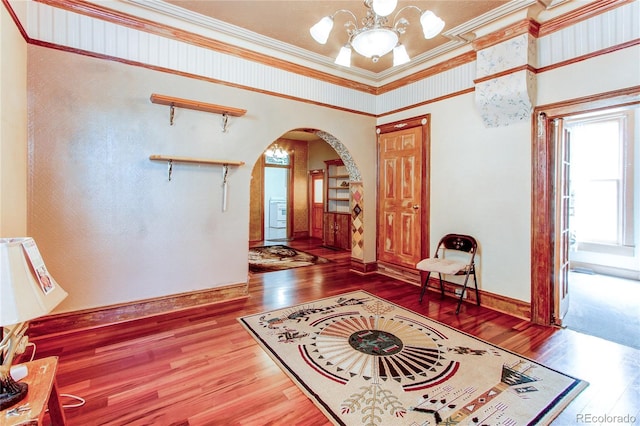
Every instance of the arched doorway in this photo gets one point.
(297, 144)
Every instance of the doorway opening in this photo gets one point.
(603, 191)
(604, 276)
(585, 206)
(276, 193)
(316, 207)
(289, 194)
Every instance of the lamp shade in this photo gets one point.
(344, 57)
(375, 42)
(27, 290)
(384, 7)
(320, 31)
(400, 55)
(431, 24)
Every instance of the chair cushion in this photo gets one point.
(443, 266)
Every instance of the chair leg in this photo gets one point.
(424, 287)
(475, 281)
(441, 286)
(464, 288)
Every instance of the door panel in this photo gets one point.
(388, 233)
(399, 194)
(408, 178)
(343, 231)
(329, 235)
(409, 244)
(316, 221)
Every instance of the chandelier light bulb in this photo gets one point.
(320, 31)
(431, 24)
(384, 7)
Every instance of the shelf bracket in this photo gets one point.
(225, 174)
(172, 113)
(225, 122)
(224, 163)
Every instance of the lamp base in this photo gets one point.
(11, 392)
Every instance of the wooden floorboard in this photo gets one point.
(200, 367)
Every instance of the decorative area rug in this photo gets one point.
(366, 361)
(279, 257)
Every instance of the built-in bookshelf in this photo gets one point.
(337, 187)
(337, 217)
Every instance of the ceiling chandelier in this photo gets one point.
(377, 36)
(276, 152)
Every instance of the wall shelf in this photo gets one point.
(195, 160)
(224, 163)
(174, 102)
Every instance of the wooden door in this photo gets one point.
(317, 203)
(400, 197)
(562, 232)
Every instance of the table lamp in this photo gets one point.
(27, 291)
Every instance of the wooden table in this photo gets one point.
(42, 394)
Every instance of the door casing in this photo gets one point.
(422, 212)
(543, 202)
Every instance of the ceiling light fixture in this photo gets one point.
(377, 36)
(276, 151)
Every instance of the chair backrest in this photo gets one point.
(458, 242)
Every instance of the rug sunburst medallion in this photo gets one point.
(366, 361)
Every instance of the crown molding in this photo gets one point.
(459, 37)
(166, 20)
(577, 15)
(169, 30)
(252, 40)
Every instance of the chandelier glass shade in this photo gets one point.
(378, 35)
(375, 42)
(400, 55)
(431, 24)
(344, 56)
(384, 7)
(320, 31)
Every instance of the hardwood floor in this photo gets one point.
(200, 367)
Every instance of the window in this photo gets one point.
(318, 190)
(602, 182)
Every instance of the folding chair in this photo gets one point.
(455, 255)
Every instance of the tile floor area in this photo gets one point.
(604, 306)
